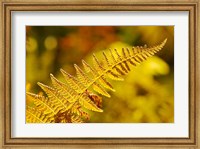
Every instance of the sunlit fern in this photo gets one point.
(66, 101)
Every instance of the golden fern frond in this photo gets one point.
(65, 101)
(115, 66)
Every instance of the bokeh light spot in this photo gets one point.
(50, 43)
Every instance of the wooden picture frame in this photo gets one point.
(7, 7)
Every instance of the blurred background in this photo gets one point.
(147, 93)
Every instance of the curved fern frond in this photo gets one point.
(116, 67)
(65, 101)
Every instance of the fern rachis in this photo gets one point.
(66, 102)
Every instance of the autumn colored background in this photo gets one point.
(146, 95)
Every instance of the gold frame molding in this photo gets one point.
(9, 6)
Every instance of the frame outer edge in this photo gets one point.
(2, 63)
(7, 75)
(192, 74)
(100, 1)
(1, 74)
(198, 74)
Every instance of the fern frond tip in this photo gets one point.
(164, 42)
(51, 75)
(30, 94)
(101, 111)
(61, 70)
(52, 78)
(44, 86)
(40, 84)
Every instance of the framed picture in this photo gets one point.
(101, 74)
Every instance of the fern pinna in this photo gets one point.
(66, 101)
